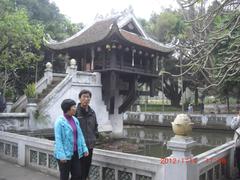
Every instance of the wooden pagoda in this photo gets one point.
(122, 52)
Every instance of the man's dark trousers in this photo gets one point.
(86, 164)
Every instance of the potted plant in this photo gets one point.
(8, 99)
(9, 94)
(30, 92)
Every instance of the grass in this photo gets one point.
(158, 108)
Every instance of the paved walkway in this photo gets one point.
(9, 171)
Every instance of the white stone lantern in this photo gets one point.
(49, 65)
(73, 63)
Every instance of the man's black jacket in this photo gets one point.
(88, 124)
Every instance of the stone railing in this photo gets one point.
(211, 121)
(13, 121)
(64, 84)
(38, 154)
(41, 85)
(87, 78)
(217, 163)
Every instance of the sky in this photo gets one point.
(85, 11)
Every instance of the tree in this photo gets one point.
(43, 12)
(20, 42)
(164, 27)
(213, 49)
(167, 25)
(22, 26)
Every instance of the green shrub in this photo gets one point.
(30, 90)
(9, 94)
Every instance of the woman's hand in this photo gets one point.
(63, 161)
(86, 154)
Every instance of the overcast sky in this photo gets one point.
(86, 10)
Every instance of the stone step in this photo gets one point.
(45, 92)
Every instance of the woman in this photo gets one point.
(70, 145)
(235, 125)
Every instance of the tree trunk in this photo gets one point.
(228, 109)
(196, 97)
(175, 100)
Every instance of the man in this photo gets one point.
(89, 126)
(2, 103)
(202, 108)
(190, 108)
(235, 125)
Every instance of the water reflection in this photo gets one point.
(153, 140)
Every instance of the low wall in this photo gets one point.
(217, 163)
(13, 121)
(211, 121)
(37, 154)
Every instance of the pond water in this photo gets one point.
(152, 141)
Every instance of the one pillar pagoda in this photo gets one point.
(123, 53)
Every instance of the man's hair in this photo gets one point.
(85, 91)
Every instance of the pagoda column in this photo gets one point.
(122, 60)
(84, 60)
(113, 58)
(92, 58)
(104, 59)
(157, 63)
(133, 59)
(147, 66)
(113, 79)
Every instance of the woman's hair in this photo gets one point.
(85, 91)
(67, 104)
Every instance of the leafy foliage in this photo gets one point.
(55, 24)
(164, 27)
(30, 90)
(23, 24)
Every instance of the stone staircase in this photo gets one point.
(20, 105)
(56, 80)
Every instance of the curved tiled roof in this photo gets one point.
(148, 43)
(100, 30)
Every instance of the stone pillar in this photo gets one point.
(98, 78)
(92, 58)
(21, 153)
(233, 170)
(49, 73)
(31, 110)
(138, 108)
(9, 107)
(116, 118)
(181, 165)
(72, 69)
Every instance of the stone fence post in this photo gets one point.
(31, 110)
(181, 165)
(72, 69)
(9, 107)
(21, 153)
(49, 73)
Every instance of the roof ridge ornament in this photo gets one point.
(128, 11)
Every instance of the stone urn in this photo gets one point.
(73, 63)
(182, 125)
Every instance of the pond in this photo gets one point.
(152, 141)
